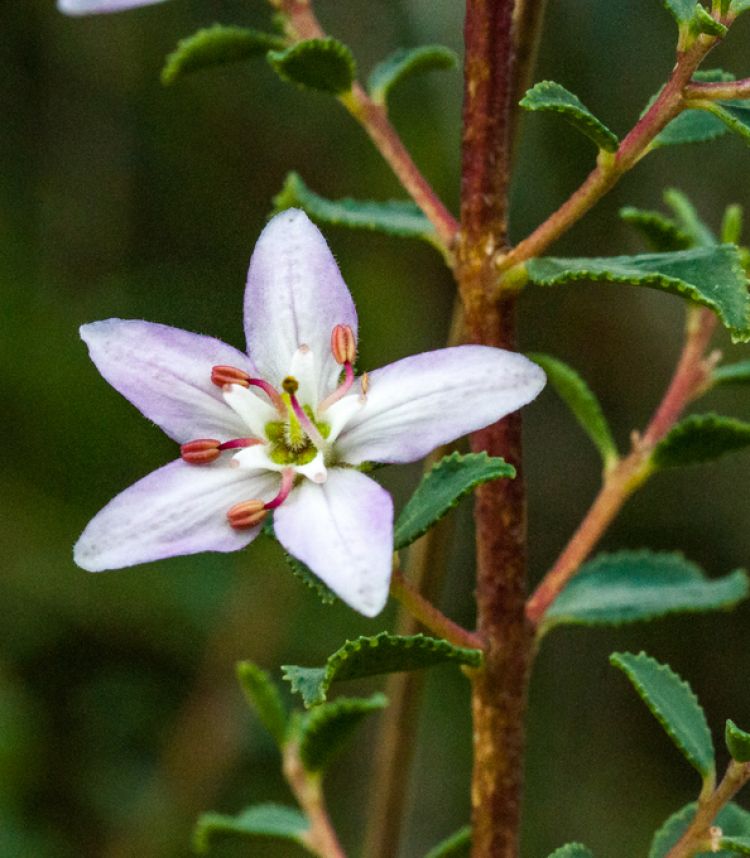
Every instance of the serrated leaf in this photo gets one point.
(326, 728)
(215, 46)
(732, 373)
(693, 126)
(263, 696)
(301, 571)
(370, 656)
(405, 62)
(552, 96)
(442, 488)
(661, 233)
(633, 586)
(711, 276)
(572, 850)
(701, 438)
(681, 10)
(737, 742)
(673, 704)
(734, 114)
(261, 820)
(735, 845)
(733, 820)
(457, 844)
(688, 218)
(393, 217)
(579, 398)
(324, 65)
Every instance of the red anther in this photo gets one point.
(221, 375)
(343, 344)
(247, 514)
(239, 442)
(201, 451)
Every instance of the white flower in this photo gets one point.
(285, 427)
(95, 7)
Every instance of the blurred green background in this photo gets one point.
(119, 715)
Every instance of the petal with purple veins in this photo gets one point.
(423, 401)
(178, 509)
(343, 530)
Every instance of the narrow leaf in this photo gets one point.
(688, 218)
(632, 586)
(405, 62)
(369, 656)
(711, 276)
(552, 96)
(704, 22)
(737, 742)
(215, 46)
(701, 438)
(693, 126)
(325, 65)
(734, 822)
(734, 114)
(263, 695)
(738, 845)
(674, 706)
(681, 10)
(441, 489)
(572, 850)
(262, 820)
(577, 395)
(458, 844)
(662, 234)
(326, 728)
(732, 373)
(393, 217)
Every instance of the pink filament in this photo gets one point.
(239, 442)
(287, 483)
(270, 392)
(341, 390)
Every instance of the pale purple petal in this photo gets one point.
(343, 530)
(421, 402)
(179, 509)
(295, 296)
(166, 373)
(95, 7)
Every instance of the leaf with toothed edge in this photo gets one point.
(326, 728)
(681, 10)
(734, 114)
(711, 276)
(692, 126)
(579, 398)
(552, 96)
(261, 820)
(442, 488)
(572, 850)
(216, 46)
(457, 844)
(733, 820)
(701, 438)
(737, 742)
(324, 65)
(263, 695)
(405, 62)
(662, 234)
(301, 571)
(673, 704)
(401, 218)
(370, 656)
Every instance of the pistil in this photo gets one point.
(299, 415)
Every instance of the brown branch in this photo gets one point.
(720, 91)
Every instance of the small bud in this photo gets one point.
(247, 514)
(201, 451)
(343, 344)
(223, 375)
(290, 385)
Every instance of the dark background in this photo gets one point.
(119, 716)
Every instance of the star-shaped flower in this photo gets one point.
(286, 427)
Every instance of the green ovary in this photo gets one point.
(289, 444)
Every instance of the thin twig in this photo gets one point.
(720, 91)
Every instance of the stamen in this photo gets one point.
(343, 344)
(287, 484)
(251, 513)
(221, 376)
(201, 451)
(239, 442)
(364, 386)
(340, 391)
(310, 429)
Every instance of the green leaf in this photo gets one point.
(734, 114)
(688, 219)
(737, 845)
(739, 6)
(704, 22)
(458, 844)
(673, 704)
(369, 656)
(660, 232)
(441, 489)
(577, 395)
(325, 729)
(632, 586)
(263, 696)
(711, 276)
(732, 373)
(737, 742)
(701, 438)
(393, 217)
(693, 126)
(548, 95)
(261, 820)
(572, 850)
(734, 821)
(325, 65)
(301, 571)
(731, 224)
(405, 62)
(215, 46)
(681, 10)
